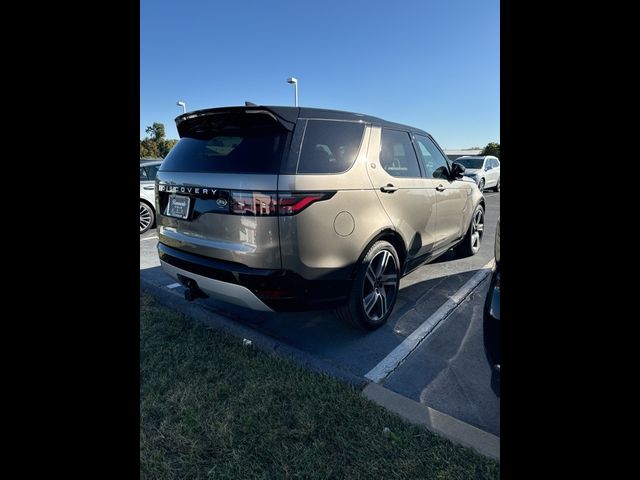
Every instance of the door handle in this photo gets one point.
(148, 187)
(440, 188)
(389, 188)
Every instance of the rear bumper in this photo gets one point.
(257, 289)
(227, 292)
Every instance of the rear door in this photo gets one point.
(147, 186)
(453, 197)
(217, 188)
(408, 199)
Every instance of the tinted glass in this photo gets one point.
(470, 162)
(329, 147)
(494, 163)
(397, 156)
(221, 147)
(143, 174)
(434, 162)
(152, 170)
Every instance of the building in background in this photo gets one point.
(453, 154)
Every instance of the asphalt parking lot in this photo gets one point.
(431, 349)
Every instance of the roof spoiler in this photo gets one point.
(188, 120)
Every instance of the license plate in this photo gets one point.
(178, 206)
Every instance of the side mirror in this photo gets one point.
(457, 170)
(487, 168)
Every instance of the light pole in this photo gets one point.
(183, 105)
(294, 82)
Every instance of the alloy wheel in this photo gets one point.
(380, 285)
(145, 217)
(477, 230)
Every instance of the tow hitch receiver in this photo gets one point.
(192, 291)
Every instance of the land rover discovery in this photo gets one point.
(287, 208)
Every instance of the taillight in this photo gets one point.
(269, 204)
(292, 203)
(253, 203)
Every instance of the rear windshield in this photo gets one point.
(470, 162)
(229, 147)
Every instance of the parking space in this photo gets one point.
(445, 371)
(449, 370)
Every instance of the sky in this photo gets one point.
(431, 64)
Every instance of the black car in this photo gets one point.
(492, 313)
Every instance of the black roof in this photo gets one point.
(291, 114)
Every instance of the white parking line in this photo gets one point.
(397, 356)
(174, 285)
(149, 238)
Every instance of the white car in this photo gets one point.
(483, 170)
(148, 170)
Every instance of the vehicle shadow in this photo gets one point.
(323, 334)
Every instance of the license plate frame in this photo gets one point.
(178, 206)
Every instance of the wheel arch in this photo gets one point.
(394, 238)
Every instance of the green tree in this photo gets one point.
(156, 131)
(492, 148)
(154, 144)
(166, 147)
(149, 149)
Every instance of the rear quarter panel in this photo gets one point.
(328, 237)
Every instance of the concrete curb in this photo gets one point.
(175, 301)
(451, 428)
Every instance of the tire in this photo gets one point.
(481, 185)
(497, 187)
(470, 245)
(375, 288)
(147, 217)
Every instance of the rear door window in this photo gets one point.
(143, 175)
(329, 146)
(397, 156)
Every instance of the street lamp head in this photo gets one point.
(292, 80)
(180, 104)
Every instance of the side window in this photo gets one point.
(152, 170)
(434, 162)
(397, 156)
(143, 174)
(496, 163)
(329, 147)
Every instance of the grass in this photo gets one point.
(213, 408)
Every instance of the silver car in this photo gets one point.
(283, 208)
(483, 170)
(148, 170)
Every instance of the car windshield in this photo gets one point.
(470, 162)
